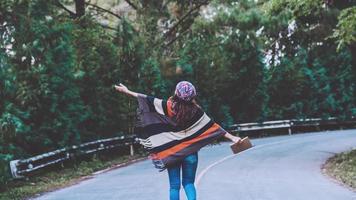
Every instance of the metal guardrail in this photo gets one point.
(290, 124)
(263, 126)
(20, 168)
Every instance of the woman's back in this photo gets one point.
(173, 131)
(185, 114)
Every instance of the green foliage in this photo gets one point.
(4, 169)
(150, 77)
(228, 64)
(45, 87)
(284, 78)
(9, 126)
(300, 9)
(96, 69)
(346, 27)
(304, 59)
(318, 91)
(250, 61)
(343, 167)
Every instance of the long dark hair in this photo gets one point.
(184, 110)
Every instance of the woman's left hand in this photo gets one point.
(235, 139)
(231, 137)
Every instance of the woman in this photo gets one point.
(174, 131)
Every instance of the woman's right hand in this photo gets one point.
(123, 89)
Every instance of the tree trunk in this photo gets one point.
(80, 7)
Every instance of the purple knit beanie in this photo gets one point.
(185, 91)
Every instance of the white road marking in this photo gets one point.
(204, 171)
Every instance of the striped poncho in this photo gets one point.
(167, 143)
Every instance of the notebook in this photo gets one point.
(242, 145)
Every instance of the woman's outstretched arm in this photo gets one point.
(123, 89)
(153, 104)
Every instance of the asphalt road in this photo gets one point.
(277, 168)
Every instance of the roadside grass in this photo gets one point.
(343, 168)
(62, 176)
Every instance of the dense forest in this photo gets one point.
(251, 60)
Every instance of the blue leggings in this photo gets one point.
(189, 168)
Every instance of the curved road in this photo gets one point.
(277, 168)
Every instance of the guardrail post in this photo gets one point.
(290, 127)
(14, 170)
(132, 150)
